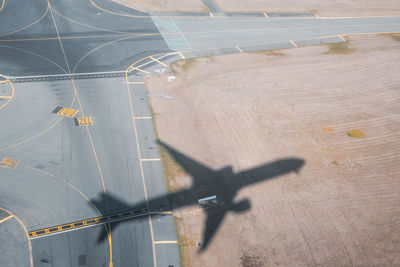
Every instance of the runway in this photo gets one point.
(92, 57)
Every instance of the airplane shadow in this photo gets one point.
(220, 187)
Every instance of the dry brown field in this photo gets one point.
(341, 8)
(244, 110)
(165, 5)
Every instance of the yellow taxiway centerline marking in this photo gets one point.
(2, 5)
(58, 35)
(211, 15)
(6, 219)
(87, 129)
(98, 168)
(240, 50)
(293, 43)
(3, 96)
(158, 61)
(179, 53)
(166, 242)
(140, 70)
(341, 37)
(265, 14)
(12, 90)
(150, 159)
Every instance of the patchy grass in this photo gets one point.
(340, 48)
(314, 11)
(269, 53)
(394, 36)
(251, 261)
(355, 134)
(182, 65)
(171, 169)
(327, 129)
(211, 58)
(182, 241)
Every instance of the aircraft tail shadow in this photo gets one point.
(221, 185)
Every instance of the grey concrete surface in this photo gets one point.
(13, 245)
(68, 173)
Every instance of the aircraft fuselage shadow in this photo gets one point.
(215, 191)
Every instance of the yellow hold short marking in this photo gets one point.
(67, 112)
(9, 163)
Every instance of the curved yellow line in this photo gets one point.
(116, 13)
(88, 131)
(86, 25)
(7, 80)
(39, 134)
(27, 26)
(26, 233)
(51, 126)
(66, 183)
(100, 46)
(35, 54)
(80, 192)
(92, 143)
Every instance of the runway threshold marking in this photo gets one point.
(66, 112)
(67, 227)
(9, 163)
(6, 218)
(158, 61)
(83, 121)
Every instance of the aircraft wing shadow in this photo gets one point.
(223, 184)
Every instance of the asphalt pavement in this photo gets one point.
(55, 172)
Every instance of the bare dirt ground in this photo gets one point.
(341, 8)
(165, 5)
(244, 110)
(322, 7)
